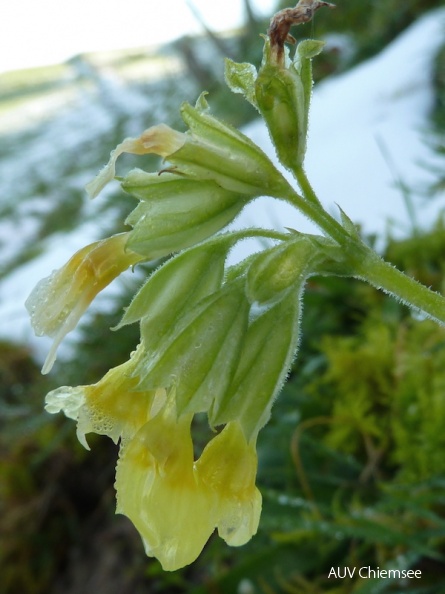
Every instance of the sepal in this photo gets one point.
(176, 212)
(199, 356)
(275, 270)
(269, 348)
(240, 78)
(176, 287)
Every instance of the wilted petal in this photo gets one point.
(57, 302)
(160, 140)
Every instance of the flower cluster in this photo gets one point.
(174, 502)
(203, 348)
(215, 339)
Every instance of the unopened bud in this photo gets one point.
(276, 270)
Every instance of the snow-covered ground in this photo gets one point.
(368, 130)
(36, 33)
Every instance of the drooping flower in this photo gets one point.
(58, 301)
(227, 467)
(158, 490)
(209, 150)
(110, 407)
(176, 504)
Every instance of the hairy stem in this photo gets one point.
(364, 263)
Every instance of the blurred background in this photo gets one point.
(351, 466)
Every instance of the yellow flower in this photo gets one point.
(209, 150)
(160, 140)
(58, 301)
(110, 407)
(176, 504)
(227, 467)
(158, 490)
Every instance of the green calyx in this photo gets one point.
(199, 355)
(269, 347)
(276, 270)
(282, 96)
(176, 212)
(217, 151)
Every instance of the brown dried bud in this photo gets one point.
(283, 20)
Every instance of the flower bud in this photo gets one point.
(277, 269)
(283, 96)
(57, 302)
(176, 212)
(281, 92)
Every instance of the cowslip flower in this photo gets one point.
(176, 503)
(209, 150)
(157, 489)
(111, 407)
(227, 467)
(58, 301)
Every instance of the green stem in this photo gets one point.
(389, 279)
(258, 232)
(310, 206)
(305, 186)
(364, 262)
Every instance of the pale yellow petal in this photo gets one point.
(160, 140)
(157, 489)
